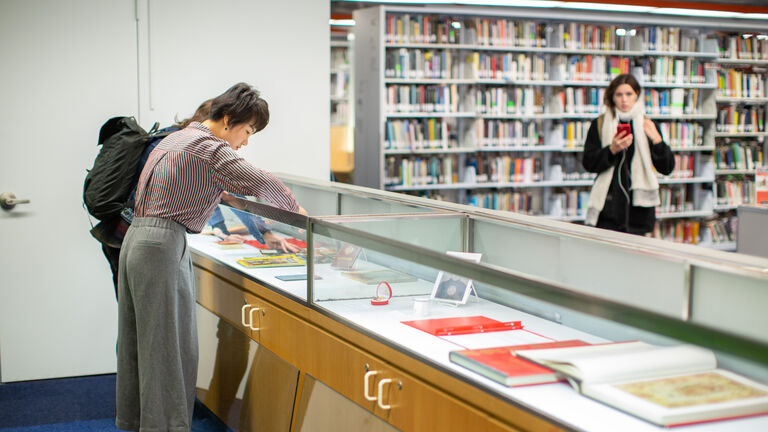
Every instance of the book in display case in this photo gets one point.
(491, 106)
(398, 366)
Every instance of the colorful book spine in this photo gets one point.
(417, 134)
(526, 202)
(508, 100)
(674, 199)
(678, 231)
(508, 133)
(673, 101)
(682, 134)
(422, 98)
(734, 192)
(739, 84)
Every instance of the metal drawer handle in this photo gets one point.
(381, 392)
(250, 324)
(242, 316)
(366, 387)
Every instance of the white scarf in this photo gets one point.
(645, 184)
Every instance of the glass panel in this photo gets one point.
(412, 272)
(732, 301)
(317, 201)
(259, 241)
(628, 275)
(506, 309)
(440, 232)
(348, 271)
(357, 204)
(242, 383)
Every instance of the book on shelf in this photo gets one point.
(678, 231)
(740, 84)
(668, 386)
(734, 192)
(502, 365)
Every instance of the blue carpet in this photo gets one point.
(73, 404)
(32, 403)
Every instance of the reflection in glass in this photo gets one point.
(321, 409)
(244, 384)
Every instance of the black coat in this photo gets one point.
(618, 213)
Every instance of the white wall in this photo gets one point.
(197, 49)
(66, 67)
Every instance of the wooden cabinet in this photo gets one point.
(237, 307)
(337, 366)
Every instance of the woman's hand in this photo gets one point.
(650, 129)
(229, 237)
(275, 241)
(236, 238)
(620, 142)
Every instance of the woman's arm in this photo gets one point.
(235, 174)
(596, 158)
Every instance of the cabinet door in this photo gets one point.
(413, 405)
(317, 353)
(322, 409)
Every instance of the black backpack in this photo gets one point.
(109, 183)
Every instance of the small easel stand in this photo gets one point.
(472, 292)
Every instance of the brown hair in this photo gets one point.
(242, 104)
(201, 114)
(615, 83)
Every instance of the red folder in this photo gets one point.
(462, 325)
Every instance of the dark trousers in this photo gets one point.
(113, 256)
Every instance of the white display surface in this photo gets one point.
(558, 400)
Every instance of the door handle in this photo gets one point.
(8, 200)
(379, 399)
(366, 386)
(250, 316)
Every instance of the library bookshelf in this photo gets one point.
(491, 106)
(342, 108)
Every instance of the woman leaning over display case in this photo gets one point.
(178, 190)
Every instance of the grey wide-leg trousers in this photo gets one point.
(157, 329)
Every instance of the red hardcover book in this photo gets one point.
(503, 366)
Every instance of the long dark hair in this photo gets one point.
(201, 114)
(242, 104)
(615, 83)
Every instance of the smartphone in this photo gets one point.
(623, 127)
(294, 277)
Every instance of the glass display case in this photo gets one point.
(380, 297)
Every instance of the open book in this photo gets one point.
(664, 385)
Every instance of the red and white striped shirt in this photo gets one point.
(187, 172)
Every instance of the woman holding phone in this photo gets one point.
(624, 147)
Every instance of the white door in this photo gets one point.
(65, 67)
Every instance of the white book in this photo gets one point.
(664, 385)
